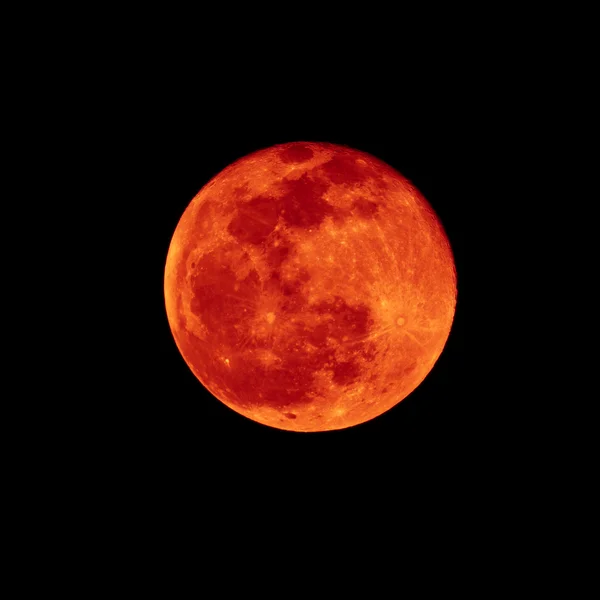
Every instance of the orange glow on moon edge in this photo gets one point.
(310, 287)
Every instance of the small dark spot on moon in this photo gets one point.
(297, 153)
(342, 320)
(343, 169)
(193, 265)
(254, 220)
(340, 215)
(365, 208)
(290, 415)
(345, 372)
(304, 203)
(408, 369)
(241, 191)
(276, 255)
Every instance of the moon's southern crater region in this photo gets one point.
(310, 286)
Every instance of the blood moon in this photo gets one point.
(310, 286)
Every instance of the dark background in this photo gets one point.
(164, 425)
(141, 439)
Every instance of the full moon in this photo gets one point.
(310, 287)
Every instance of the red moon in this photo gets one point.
(310, 287)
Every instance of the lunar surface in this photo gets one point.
(310, 287)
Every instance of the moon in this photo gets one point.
(310, 287)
